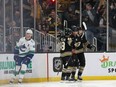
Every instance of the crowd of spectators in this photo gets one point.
(95, 16)
(93, 13)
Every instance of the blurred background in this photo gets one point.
(47, 18)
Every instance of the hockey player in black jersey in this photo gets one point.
(79, 44)
(65, 53)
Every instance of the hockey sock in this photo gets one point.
(73, 74)
(22, 72)
(16, 72)
(67, 76)
(80, 71)
(63, 75)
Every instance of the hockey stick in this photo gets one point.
(84, 25)
(66, 63)
(94, 39)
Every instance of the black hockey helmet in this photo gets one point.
(68, 31)
(79, 28)
(61, 33)
(74, 28)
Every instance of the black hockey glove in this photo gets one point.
(93, 48)
(16, 57)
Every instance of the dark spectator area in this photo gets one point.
(48, 18)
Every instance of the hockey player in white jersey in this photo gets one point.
(23, 53)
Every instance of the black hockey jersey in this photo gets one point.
(65, 45)
(79, 43)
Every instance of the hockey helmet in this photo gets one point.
(68, 31)
(29, 31)
(61, 33)
(74, 28)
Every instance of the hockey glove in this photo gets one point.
(16, 57)
(93, 48)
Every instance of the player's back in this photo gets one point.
(65, 44)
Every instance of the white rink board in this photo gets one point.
(93, 64)
(51, 72)
(37, 69)
(94, 67)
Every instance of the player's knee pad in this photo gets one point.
(24, 67)
(17, 69)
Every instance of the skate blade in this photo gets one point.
(79, 80)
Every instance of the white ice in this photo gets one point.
(99, 83)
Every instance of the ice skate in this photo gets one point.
(72, 79)
(12, 81)
(19, 81)
(79, 78)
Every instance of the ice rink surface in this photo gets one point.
(100, 83)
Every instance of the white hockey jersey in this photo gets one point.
(25, 47)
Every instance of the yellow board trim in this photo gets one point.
(53, 79)
(89, 78)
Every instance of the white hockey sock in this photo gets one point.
(16, 72)
(22, 72)
(17, 69)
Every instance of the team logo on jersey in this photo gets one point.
(22, 48)
(77, 44)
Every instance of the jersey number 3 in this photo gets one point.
(62, 45)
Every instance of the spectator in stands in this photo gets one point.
(89, 14)
(1, 15)
(28, 20)
(52, 20)
(90, 18)
(101, 37)
(1, 38)
(17, 18)
(16, 13)
(72, 17)
(112, 14)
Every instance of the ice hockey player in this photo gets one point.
(23, 53)
(79, 44)
(65, 53)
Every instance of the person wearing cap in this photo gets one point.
(23, 53)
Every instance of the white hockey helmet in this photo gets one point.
(29, 31)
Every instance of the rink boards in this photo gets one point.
(99, 66)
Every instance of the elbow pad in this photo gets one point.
(16, 50)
